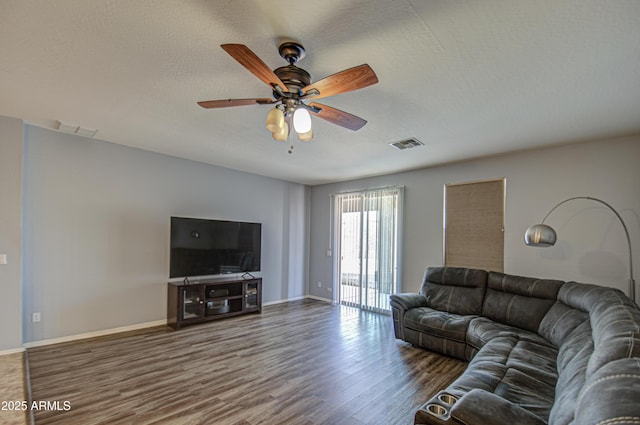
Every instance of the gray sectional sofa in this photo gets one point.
(540, 351)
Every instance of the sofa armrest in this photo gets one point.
(400, 303)
(408, 300)
(482, 407)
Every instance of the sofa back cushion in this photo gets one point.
(567, 326)
(610, 396)
(615, 321)
(559, 322)
(594, 354)
(519, 301)
(454, 289)
(573, 357)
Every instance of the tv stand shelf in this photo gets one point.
(205, 300)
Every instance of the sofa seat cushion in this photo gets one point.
(437, 331)
(518, 370)
(508, 383)
(485, 375)
(438, 323)
(482, 330)
(531, 358)
(527, 392)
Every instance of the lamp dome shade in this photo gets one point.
(301, 121)
(540, 235)
(275, 120)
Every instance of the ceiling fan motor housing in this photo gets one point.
(293, 77)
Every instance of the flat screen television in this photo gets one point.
(201, 247)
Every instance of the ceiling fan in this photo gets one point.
(292, 89)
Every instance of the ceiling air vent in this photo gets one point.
(406, 144)
(76, 129)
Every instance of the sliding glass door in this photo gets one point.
(367, 260)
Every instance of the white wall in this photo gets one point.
(11, 136)
(535, 182)
(96, 230)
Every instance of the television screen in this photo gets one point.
(202, 247)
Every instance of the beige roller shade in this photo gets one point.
(474, 225)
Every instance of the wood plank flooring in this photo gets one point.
(12, 389)
(301, 363)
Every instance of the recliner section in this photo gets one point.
(541, 351)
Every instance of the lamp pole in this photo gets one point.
(632, 284)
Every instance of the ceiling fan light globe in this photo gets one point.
(301, 121)
(275, 120)
(282, 134)
(306, 137)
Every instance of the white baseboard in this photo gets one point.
(314, 297)
(132, 328)
(94, 334)
(285, 300)
(11, 351)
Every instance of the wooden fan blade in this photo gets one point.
(254, 64)
(336, 116)
(224, 103)
(344, 81)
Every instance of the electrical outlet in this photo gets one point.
(3, 258)
(35, 317)
(328, 289)
(319, 284)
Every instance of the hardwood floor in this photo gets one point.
(300, 363)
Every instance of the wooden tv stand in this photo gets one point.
(212, 299)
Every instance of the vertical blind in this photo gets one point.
(474, 225)
(368, 247)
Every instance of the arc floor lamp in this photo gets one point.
(544, 235)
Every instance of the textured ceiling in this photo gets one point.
(467, 78)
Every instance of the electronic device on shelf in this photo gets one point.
(204, 247)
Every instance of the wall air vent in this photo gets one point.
(406, 144)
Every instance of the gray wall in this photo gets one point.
(96, 224)
(11, 136)
(96, 230)
(535, 182)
